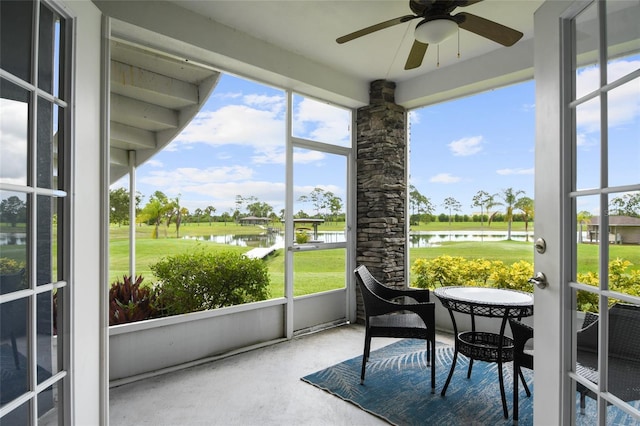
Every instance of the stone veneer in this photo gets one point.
(381, 187)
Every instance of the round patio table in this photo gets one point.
(482, 345)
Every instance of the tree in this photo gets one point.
(525, 205)
(582, 218)
(259, 209)
(198, 214)
(155, 210)
(481, 199)
(418, 203)
(119, 205)
(510, 198)
(208, 212)
(626, 205)
(13, 210)
(490, 204)
(452, 205)
(335, 205)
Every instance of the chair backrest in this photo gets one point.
(372, 290)
(371, 284)
(624, 333)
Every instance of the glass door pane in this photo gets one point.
(319, 221)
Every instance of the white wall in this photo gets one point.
(86, 356)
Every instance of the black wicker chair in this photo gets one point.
(521, 358)
(624, 353)
(386, 315)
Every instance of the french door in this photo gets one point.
(587, 71)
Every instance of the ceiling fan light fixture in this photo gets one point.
(435, 31)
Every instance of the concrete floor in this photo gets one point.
(259, 387)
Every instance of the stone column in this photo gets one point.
(381, 186)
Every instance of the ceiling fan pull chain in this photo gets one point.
(458, 42)
(438, 56)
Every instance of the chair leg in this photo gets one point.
(365, 356)
(432, 357)
(516, 372)
(470, 367)
(524, 382)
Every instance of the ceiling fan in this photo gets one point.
(438, 24)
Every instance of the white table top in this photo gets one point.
(485, 296)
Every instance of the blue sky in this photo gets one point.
(235, 146)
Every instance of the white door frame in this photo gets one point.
(552, 220)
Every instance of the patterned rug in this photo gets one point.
(397, 388)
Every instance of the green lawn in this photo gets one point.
(324, 270)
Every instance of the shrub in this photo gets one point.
(302, 237)
(129, 301)
(198, 281)
(447, 271)
(10, 266)
(619, 280)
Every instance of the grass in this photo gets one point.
(323, 270)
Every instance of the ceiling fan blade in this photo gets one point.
(492, 30)
(465, 3)
(416, 55)
(376, 27)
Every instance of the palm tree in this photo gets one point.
(491, 203)
(480, 200)
(525, 205)
(510, 198)
(582, 218)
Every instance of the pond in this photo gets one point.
(416, 239)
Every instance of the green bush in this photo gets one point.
(620, 280)
(198, 281)
(448, 271)
(302, 237)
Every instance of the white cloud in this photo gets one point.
(188, 176)
(154, 163)
(623, 101)
(466, 146)
(13, 134)
(517, 171)
(445, 178)
(322, 122)
(414, 117)
(235, 125)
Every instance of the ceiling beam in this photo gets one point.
(152, 87)
(142, 114)
(133, 136)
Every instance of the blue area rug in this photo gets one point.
(397, 387)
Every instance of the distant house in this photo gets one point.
(254, 220)
(622, 229)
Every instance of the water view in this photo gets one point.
(416, 239)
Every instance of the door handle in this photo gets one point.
(540, 280)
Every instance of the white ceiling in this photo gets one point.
(164, 51)
(292, 44)
(310, 28)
